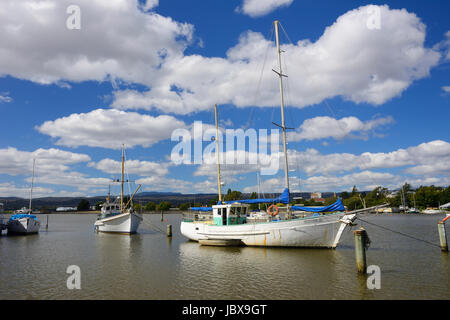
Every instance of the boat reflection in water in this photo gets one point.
(264, 273)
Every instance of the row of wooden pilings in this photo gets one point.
(362, 242)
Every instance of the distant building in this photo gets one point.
(316, 195)
(392, 195)
(65, 209)
(319, 200)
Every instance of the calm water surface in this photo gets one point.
(148, 265)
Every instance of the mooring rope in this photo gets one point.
(148, 224)
(400, 233)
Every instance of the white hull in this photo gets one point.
(121, 223)
(322, 231)
(431, 211)
(23, 226)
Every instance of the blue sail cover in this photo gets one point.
(283, 198)
(337, 206)
(201, 208)
(22, 215)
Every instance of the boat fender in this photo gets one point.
(273, 213)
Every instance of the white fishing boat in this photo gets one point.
(117, 217)
(228, 222)
(24, 222)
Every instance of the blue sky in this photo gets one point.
(368, 92)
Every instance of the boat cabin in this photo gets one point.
(111, 206)
(110, 209)
(230, 214)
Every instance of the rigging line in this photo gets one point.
(287, 82)
(261, 75)
(291, 118)
(400, 233)
(285, 33)
(289, 109)
(128, 178)
(273, 111)
(150, 225)
(329, 108)
(341, 125)
(288, 97)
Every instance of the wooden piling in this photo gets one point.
(360, 249)
(169, 230)
(162, 216)
(46, 225)
(442, 236)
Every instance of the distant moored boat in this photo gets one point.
(117, 217)
(24, 222)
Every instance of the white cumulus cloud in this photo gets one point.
(14, 162)
(115, 40)
(350, 60)
(258, 8)
(327, 127)
(132, 167)
(109, 128)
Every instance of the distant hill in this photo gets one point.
(153, 193)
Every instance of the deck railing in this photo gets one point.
(192, 216)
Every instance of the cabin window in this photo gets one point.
(224, 217)
(219, 211)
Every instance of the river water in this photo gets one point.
(148, 265)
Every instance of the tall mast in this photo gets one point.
(283, 126)
(31, 190)
(121, 181)
(218, 156)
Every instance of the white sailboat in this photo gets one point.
(24, 222)
(117, 217)
(229, 224)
